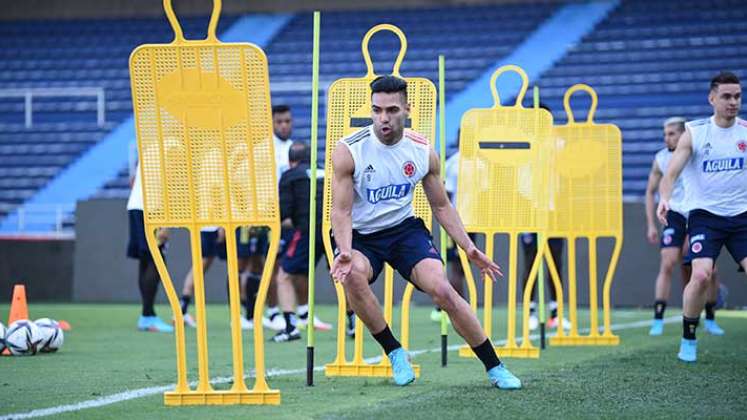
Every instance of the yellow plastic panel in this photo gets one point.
(204, 131)
(588, 204)
(505, 154)
(349, 110)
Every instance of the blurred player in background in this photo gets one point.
(137, 248)
(293, 273)
(712, 152)
(529, 248)
(282, 128)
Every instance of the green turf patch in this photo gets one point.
(104, 355)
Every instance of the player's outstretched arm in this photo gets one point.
(341, 215)
(447, 216)
(654, 177)
(679, 159)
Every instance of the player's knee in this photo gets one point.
(444, 296)
(701, 276)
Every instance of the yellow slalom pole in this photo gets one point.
(442, 150)
(541, 272)
(312, 200)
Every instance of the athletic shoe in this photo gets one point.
(350, 329)
(247, 324)
(318, 324)
(657, 327)
(553, 323)
(533, 322)
(501, 378)
(688, 350)
(712, 328)
(275, 323)
(401, 368)
(190, 321)
(153, 324)
(284, 336)
(436, 316)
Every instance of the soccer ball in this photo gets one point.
(52, 335)
(23, 338)
(2, 337)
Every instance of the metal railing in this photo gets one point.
(36, 217)
(29, 93)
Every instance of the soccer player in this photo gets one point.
(375, 172)
(529, 247)
(282, 128)
(712, 151)
(294, 267)
(673, 242)
(137, 248)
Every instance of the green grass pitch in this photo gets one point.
(104, 355)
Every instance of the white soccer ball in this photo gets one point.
(2, 337)
(52, 335)
(23, 338)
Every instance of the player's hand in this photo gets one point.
(341, 267)
(652, 235)
(221, 235)
(661, 211)
(487, 266)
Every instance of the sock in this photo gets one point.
(710, 311)
(659, 307)
(290, 321)
(272, 312)
(252, 287)
(148, 282)
(553, 309)
(185, 303)
(387, 340)
(303, 311)
(486, 353)
(688, 327)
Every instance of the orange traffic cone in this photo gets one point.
(18, 307)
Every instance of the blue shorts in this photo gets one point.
(295, 259)
(210, 245)
(675, 231)
(709, 233)
(401, 246)
(137, 245)
(286, 236)
(249, 242)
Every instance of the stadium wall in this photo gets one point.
(102, 273)
(96, 9)
(45, 266)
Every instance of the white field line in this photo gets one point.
(146, 392)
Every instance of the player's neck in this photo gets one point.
(724, 122)
(395, 139)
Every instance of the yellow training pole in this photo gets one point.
(442, 152)
(312, 200)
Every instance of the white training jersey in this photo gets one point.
(135, 202)
(717, 178)
(677, 201)
(282, 147)
(384, 178)
(451, 167)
